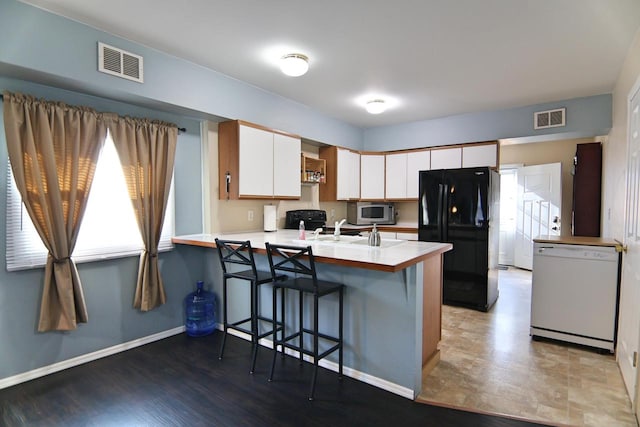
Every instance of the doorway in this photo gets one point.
(508, 210)
(530, 200)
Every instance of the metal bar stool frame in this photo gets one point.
(300, 261)
(240, 252)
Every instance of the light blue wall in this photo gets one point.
(585, 117)
(108, 285)
(43, 47)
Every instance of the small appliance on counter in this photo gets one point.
(270, 218)
(368, 213)
(313, 218)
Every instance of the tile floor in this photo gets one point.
(490, 364)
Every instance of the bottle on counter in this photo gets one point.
(301, 233)
(200, 312)
(374, 237)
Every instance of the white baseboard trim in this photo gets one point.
(333, 366)
(89, 357)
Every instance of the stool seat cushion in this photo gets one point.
(263, 276)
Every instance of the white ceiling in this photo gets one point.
(431, 58)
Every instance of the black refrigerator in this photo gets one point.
(460, 206)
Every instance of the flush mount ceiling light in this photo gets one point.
(294, 64)
(376, 106)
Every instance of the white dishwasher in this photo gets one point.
(574, 294)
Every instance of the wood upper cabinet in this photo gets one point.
(260, 163)
(342, 174)
(372, 176)
(402, 170)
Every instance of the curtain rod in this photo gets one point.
(180, 130)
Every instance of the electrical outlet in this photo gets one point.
(333, 213)
(250, 215)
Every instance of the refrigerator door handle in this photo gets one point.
(439, 211)
(442, 212)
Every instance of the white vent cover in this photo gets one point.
(118, 62)
(549, 119)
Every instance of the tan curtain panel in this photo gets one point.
(147, 153)
(53, 149)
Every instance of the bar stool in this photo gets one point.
(300, 261)
(239, 252)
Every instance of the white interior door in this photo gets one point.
(508, 211)
(538, 213)
(629, 317)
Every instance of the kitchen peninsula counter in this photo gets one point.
(392, 310)
(329, 251)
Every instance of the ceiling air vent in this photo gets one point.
(118, 62)
(549, 119)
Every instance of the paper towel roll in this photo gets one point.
(270, 218)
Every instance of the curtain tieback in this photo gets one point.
(61, 260)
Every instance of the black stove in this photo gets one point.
(313, 218)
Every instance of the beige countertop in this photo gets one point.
(393, 255)
(577, 240)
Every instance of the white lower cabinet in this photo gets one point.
(407, 236)
(394, 235)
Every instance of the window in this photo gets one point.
(108, 229)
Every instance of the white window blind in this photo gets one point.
(108, 229)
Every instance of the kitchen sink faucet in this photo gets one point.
(336, 230)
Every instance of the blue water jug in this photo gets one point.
(200, 310)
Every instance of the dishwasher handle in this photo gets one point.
(542, 248)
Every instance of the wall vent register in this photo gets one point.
(120, 63)
(549, 119)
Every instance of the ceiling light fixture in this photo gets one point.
(294, 64)
(376, 106)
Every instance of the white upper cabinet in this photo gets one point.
(286, 166)
(480, 155)
(396, 176)
(402, 173)
(416, 161)
(372, 177)
(255, 162)
(446, 158)
(348, 175)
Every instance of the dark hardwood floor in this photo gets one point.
(179, 381)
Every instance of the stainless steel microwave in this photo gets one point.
(367, 213)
